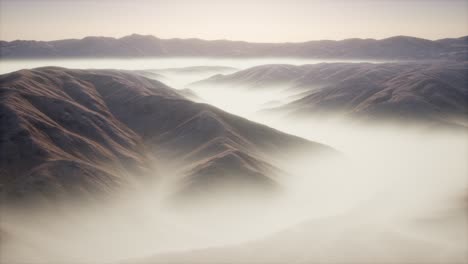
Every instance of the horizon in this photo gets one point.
(260, 22)
(232, 40)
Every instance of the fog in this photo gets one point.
(153, 63)
(396, 194)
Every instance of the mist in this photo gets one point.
(154, 63)
(390, 181)
(397, 193)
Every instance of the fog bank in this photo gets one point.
(399, 194)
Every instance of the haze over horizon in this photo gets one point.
(232, 40)
(318, 131)
(262, 21)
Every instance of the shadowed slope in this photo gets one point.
(51, 123)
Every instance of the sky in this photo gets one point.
(248, 20)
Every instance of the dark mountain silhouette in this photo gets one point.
(400, 47)
(81, 131)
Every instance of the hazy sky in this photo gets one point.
(251, 20)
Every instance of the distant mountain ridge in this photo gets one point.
(399, 47)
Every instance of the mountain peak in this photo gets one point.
(135, 36)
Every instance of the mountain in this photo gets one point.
(395, 48)
(85, 131)
(427, 91)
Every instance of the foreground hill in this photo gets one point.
(428, 91)
(399, 47)
(81, 131)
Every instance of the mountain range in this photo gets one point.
(435, 91)
(393, 48)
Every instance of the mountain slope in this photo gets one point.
(58, 133)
